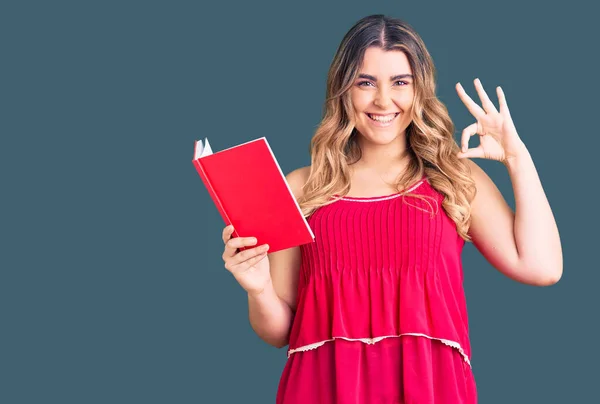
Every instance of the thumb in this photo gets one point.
(476, 152)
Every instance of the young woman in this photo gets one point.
(374, 310)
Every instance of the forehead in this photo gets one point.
(378, 62)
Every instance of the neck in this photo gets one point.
(388, 159)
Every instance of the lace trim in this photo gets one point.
(379, 198)
(371, 341)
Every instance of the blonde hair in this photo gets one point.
(430, 135)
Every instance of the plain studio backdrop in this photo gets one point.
(113, 289)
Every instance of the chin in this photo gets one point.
(381, 137)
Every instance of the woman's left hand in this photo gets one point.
(497, 133)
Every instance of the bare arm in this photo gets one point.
(271, 311)
(525, 246)
(536, 232)
(270, 316)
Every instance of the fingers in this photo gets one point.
(467, 133)
(471, 105)
(502, 101)
(230, 250)
(236, 261)
(477, 152)
(244, 260)
(488, 105)
(227, 232)
(233, 244)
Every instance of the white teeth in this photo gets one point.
(384, 119)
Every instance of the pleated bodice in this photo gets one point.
(382, 267)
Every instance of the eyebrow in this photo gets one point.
(393, 78)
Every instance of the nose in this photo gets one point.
(382, 98)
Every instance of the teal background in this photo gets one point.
(112, 286)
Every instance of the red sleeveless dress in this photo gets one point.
(381, 312)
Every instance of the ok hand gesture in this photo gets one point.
(497, 133)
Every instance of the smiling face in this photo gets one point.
(382, 95)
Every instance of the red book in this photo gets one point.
(250, 191)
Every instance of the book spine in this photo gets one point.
(213, 195)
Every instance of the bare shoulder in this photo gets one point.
(486, 188)
(476, 171)
(296, 180)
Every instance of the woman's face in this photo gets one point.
(382, 95)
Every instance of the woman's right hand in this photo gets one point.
(249, 267)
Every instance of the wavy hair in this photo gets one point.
(430, 142)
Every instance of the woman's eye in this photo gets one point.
(362, 83)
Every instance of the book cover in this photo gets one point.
(250, 192)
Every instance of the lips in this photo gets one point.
(383, 118)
